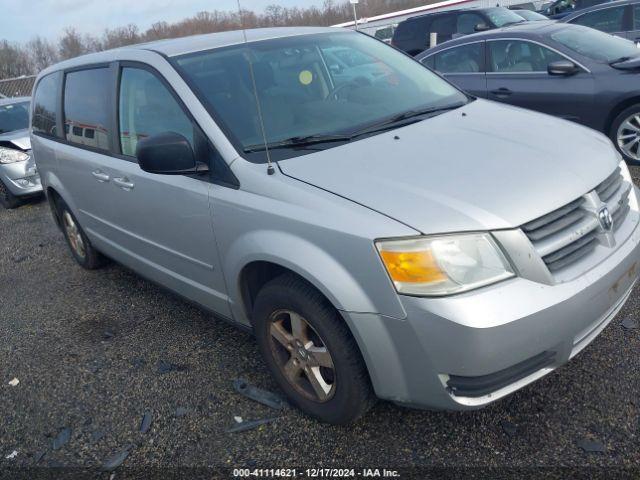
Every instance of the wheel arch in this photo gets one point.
(273, 253)
(618, 108)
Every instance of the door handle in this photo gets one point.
(124, 183)
(501, 92)
(100, 176)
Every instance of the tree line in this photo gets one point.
(17, 59)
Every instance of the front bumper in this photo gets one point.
(21, 178)
(465, 351)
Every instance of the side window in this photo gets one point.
(45, 104)
(429, 62)
(606, 20)
(467, 22)
(444, 26)
(463, 59)
(636, 17)
(147, 108)
(405, 31)
(86, 106)
(520, 56)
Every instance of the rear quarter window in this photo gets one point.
(45, 101)
(86, 107)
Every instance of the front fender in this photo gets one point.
(303, 257)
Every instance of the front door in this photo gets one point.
(517, 75)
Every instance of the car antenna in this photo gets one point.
(270, 169)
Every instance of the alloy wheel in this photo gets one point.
(628, 137)
(302, 356)
(73, 234)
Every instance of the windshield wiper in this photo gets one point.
(405, 118)
(621, 59)
(300, 141)
(518, 22)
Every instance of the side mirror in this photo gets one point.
(562, 67)
(167, 153)
(336, 68)
(482, 27)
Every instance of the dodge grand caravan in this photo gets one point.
(383, 236)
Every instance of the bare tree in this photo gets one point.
(42, 53)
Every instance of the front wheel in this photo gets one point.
(625, 134)
(7, 199)
(310, 351)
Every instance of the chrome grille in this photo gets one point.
(571, 232)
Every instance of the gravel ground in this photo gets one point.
(87, 347)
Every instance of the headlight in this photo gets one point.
(9, 155)
(443, 265)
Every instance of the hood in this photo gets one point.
(484, 166)
(19, 138)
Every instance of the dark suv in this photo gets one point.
(413, 35)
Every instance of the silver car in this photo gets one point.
(18, 175)
(383, 237)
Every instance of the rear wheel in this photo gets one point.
(80, 246)
(310, 351)
(625, 134)
(7, 199)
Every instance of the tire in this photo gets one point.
(350, 395)
(7, 199)
(628, 113)
(86, 256)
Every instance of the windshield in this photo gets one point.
(312, 85)
(14, 116)
(503, 16)
(594, 44)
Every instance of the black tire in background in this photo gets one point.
(615, 126)
(352, 395)
(7, 199)
(87, 256)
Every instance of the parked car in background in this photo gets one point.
(392, 236)
(531, 16)
(561, 8)
(413, 35)
(385, 33)
(569, 71)
(19, 179)
(621, 18)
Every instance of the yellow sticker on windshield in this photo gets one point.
(305, 77)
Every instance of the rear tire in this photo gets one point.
(625, 134)
(81, 248)
(7, 199)
(323, 374)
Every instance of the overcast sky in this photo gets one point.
(20, 20)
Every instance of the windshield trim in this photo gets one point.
(228, 132)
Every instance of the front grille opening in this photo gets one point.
(610, 186)
(568, 234)
(555, 221)
(571, 253)
(485, 384)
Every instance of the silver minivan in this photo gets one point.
(381, 233)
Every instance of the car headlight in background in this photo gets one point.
(444, 264)
(9, 155)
